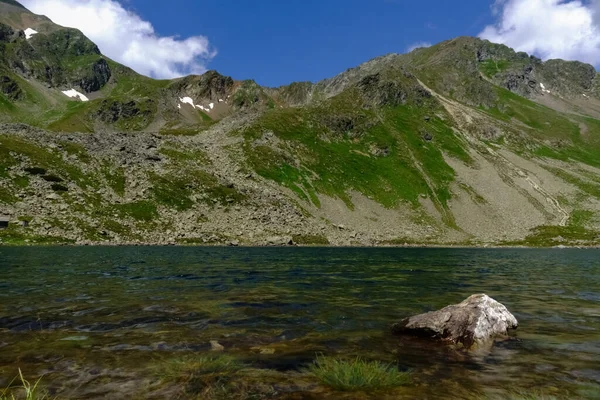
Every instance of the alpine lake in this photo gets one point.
(248, 323)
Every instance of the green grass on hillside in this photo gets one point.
(175, 190)
(493, 67)
(19, 237)
(392, 155)
(545, 122)
(310, 240)
(549, 133)
(143, 210)
(33, 107)
(39, 158)
(128, 84)
(549, 236)
(43, 157)
(115, 178)
(588, 186)
(179, 155)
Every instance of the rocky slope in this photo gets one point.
(466, 142)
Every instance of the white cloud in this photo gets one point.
(127, 38)
(417, 46)
(548, 28)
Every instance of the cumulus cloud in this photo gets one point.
(125, 37)
(548, 28)
(417, 45)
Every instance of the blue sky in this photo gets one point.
(277, 42)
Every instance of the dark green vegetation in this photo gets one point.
(14, 236)
(174, 191)
(199, 373)
(315, 240)
(142, 210)
(549, 236)
(357, 374)
(386, 153)
(25, 390)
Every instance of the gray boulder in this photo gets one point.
(280, 241)
(475, 322)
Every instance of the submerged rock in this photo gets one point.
(216, 346)
(280, 241)
(474, 322)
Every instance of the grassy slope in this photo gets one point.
(182, 182)
(536, 130)
(46, 107)
(380, 152)
(127, 86)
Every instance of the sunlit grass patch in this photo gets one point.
(357, 374)
(25, 390)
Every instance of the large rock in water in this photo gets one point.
(474, 322)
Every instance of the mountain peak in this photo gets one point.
(15, 15)
(13, 3)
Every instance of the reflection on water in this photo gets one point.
(97, 320)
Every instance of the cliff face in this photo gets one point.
(466, 142)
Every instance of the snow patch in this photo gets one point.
(75, 94)
(187, 100)
(585, 95)
(544, 88)
(29, 33)
(220, 100)
(179, 106)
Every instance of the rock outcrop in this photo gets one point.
(476, 321)
(10, 88)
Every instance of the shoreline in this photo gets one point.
(250, 246)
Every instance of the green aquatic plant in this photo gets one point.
(185, 368)
(200, 374)
(30, 392)
(525, 395)
(357, 374)
(516, 394)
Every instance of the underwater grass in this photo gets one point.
(188, 367)
(30, 392)
(520, 395)
(200, 375)
(357, 374)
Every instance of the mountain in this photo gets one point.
(463, 143)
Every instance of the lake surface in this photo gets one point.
(108, 322)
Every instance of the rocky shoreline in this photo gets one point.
(296, 245)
